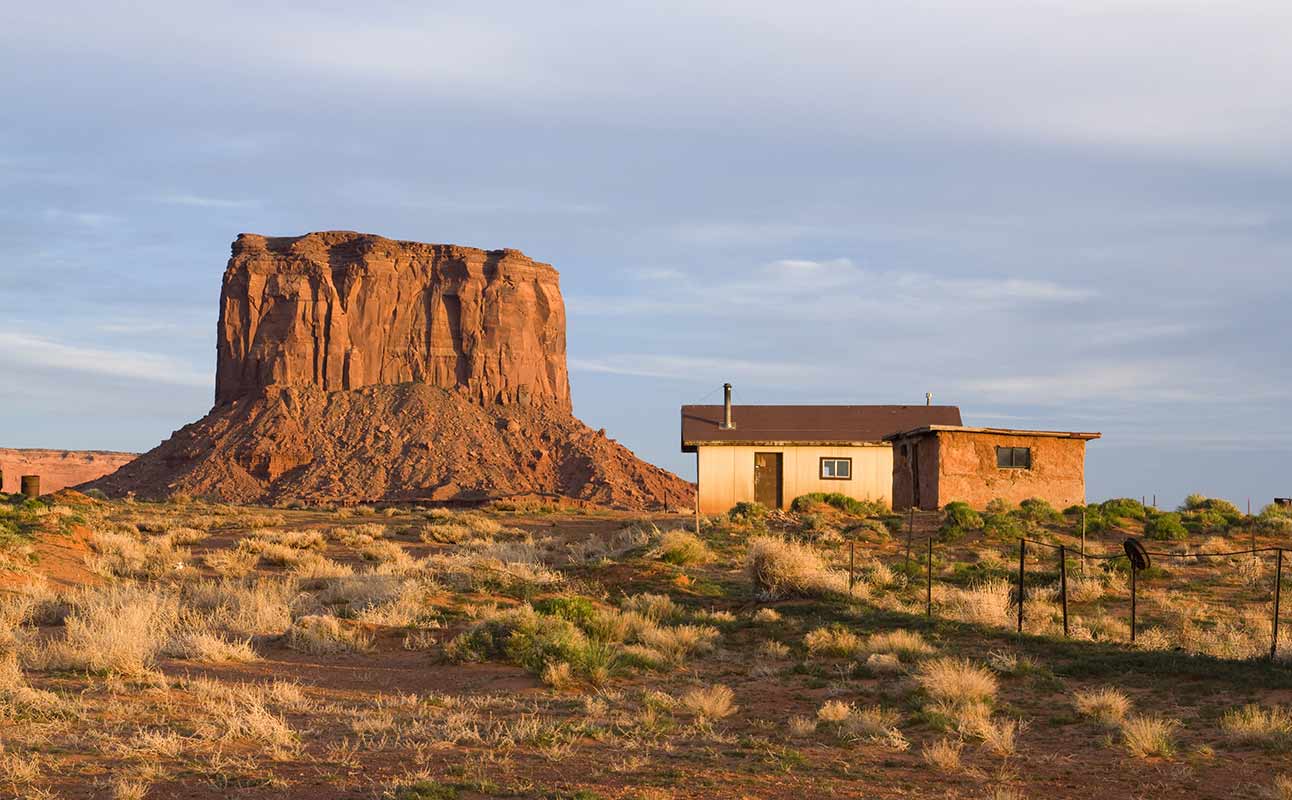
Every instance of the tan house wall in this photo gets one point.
(726, 473)
(968, 472)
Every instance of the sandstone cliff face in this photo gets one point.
(57, 469)
(340, 311)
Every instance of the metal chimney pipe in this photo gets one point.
(928, 398)
(727, 424)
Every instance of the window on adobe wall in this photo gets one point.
(836, 469)
(1014, 457)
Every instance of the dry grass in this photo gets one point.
(782, 568)
(802, 726)
(1146, 735)
(319, 634)
(767, 615)
(834, 711)
(1253, 724)
(956, 681)
(832, 642)
(123, 556)
(985, 603)
(943, 755)
(120, 629)
(1107, 705)
(906, 645)
(1280, 789)
(710, 702)
(682, 547)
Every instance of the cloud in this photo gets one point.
(689, 368)
(199, 201)
(24, 349)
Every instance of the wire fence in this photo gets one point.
(1135, 559)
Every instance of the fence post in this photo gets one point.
(1278, 593)
(928, 586)
(852, 563)
(1133, 571)
(1083, 542)
(1063, 585)
(1022, 554)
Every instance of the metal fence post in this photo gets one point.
(1063, 585)
(1022, 554)
(1083, 542)
(852, 563)
(928, 586)
(1278, 594)
(910, 531)
(1133, 571)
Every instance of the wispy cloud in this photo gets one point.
(686, 367)
(200, 201)
(23, 349)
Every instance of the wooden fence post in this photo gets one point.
(928, 586)
(1278, 594)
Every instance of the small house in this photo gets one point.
(773, 454)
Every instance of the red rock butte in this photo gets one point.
(342, 310)
(353, 368)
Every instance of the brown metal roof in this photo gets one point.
(807, 424)
(924, 430)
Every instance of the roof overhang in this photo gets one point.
(931, 429)
(693, 446)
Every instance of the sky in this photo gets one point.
(1064, 215)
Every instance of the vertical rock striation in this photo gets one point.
(340, 310)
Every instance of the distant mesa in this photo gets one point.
(57, 469)
(354, 368)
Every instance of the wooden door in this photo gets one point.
(767, 479)
(915, 474)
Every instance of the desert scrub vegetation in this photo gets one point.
(781, 567)
(1106, 705)
(960, 520)
(842, 502)
(1253, 724)
(1148, 735)
(681, 548)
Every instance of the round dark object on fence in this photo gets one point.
(1137, 554)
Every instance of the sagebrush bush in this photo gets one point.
(746, 513)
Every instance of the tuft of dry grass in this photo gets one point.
(832, 642)
(710, 702)
(834, 711)
(906, 645)
(802, 726)
(320, 634)
(1107, 705)
(1257, 725)
(985, 603)
(1146, 735)
(119, 629)
(766, 615)
(682, 547)
(782, 568)
(943, 755)
(1280, 789)
(956, 681)
(126, 789)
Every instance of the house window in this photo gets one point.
(836, 469)
(1014, 457)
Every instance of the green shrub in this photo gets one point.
(959, 520)
(682, 547)
(1003, 526)
(1034, 509)
(849, 505)
(746, 513)
(1165, 526)
(1274, 520)
(999, 506)
(1122, 508)
(578, 610)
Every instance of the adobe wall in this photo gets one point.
(726, 473)
(906, 453)
(968, 471)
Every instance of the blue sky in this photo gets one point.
(1056, 214)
